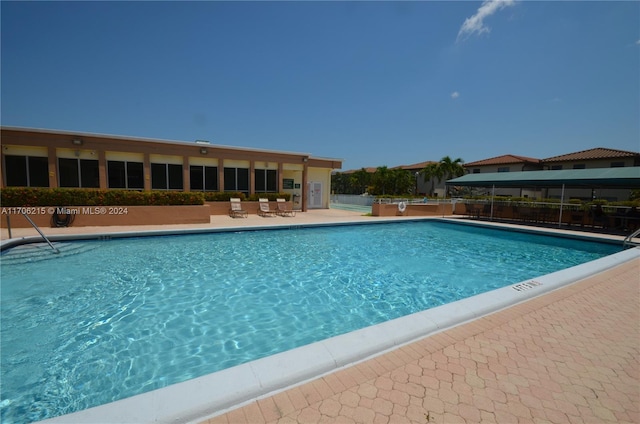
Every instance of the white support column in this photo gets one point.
(561, 202)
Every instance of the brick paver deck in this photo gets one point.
(571, 356)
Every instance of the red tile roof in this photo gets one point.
(501, 160)
(592, 154)
(420, 165)
(596, 153)
(370, 170)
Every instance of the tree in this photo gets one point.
(447, 168)
(360, 181)
(402, 182)
(381, 181)
(340, 183)
(451, 168)
(432, 172)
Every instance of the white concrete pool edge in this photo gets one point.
(107, 235)
(210, 395)
(292, 225)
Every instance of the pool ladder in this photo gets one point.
(55, 249)
(627, 240)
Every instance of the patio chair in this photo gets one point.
(235, 210)
(283, 209)
(264, 209)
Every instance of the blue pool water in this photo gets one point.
(106, 320)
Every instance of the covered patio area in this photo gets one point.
(564, 212)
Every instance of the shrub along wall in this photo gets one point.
(91, 207)
(23, 196)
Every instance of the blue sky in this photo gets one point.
(372, 83)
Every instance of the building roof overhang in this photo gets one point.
(626, 177)
(197, 143)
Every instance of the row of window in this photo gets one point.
(583, 166)
(28, 171)
(554, 167)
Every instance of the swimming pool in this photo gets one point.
(114, 318)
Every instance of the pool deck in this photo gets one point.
(571, 355)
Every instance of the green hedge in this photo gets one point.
(224, 196)
(23, 196)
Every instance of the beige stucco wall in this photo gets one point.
(293, 172)
(88, 216)
(426, 209)
(323, 176)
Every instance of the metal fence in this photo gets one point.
(416, 201)
(352, 199)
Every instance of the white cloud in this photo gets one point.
(475, 24)
(638, 42)
(455, 95)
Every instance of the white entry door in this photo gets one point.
(315, 195)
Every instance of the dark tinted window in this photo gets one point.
(89, 173)
(16, 171)
(135, 175)
(159, 176)
(38, 172)
(196, 178)
(175, 176)
(211, 178)
(68, 171)
(117, 177)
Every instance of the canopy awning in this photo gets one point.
(626, 177)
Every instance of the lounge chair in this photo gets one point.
(264, 209)
(236, 211)
(283, 209)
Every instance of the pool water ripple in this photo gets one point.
(126, 316)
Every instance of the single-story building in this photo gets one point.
(51, 158)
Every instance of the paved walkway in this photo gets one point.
(572, 356)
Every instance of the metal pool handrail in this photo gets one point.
(627, 239)
(55, 249)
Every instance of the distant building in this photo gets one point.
(598, 157)
(425, 186)
(49, 158)
(586, 159)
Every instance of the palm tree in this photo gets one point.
(402, 181)
(431, 172)
(451, 168)
(382, 180)
(360, 181)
